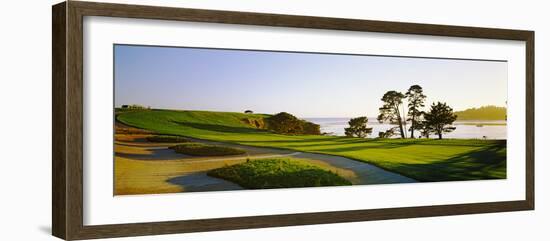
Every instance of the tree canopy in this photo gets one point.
(439, 119)
(416, 98)
(358, 127)
(389, 111)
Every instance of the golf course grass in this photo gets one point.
(421, 159)
(278, 173)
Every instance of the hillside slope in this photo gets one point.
(482, 113)
(199, 124)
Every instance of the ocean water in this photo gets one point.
(464, 129)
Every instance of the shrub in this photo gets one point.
(285, 123)
(199, 149)
(254, 122)
(167, 139)
(388, 133)
(278, 173)
(311, 128)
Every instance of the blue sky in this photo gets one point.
(306, 85)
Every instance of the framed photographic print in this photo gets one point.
(171, 120)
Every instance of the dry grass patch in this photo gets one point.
(199, 149)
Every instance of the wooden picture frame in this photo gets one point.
(67, 152)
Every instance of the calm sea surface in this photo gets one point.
(464, 129)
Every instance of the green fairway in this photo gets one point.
(421, 159)
(278, 173)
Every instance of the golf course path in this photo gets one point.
(363, 173)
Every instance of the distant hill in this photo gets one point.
(489, 112)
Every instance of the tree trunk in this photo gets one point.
(440, 135)
(404, 121)
(401, 128)
(400, 122)
(412, 127)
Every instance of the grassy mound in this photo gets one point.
(198, 149)
(167, 139)
(278, 173)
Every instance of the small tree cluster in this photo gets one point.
(437, 121)
(285, 123)
(134, 107)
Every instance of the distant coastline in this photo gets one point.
(465, 129)
(489, 112)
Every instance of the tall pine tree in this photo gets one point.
(416, 100)
(390, 109)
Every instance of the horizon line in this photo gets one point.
(259, 113)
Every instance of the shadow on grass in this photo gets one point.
(221, 128)
(200, 182)
(487, 163)
(156, 154)
(357, 145)
(301, 139)
(439, 142)
(337, 140)
(393, 144)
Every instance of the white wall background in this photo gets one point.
(25, 120)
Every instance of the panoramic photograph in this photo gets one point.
(204, 119)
